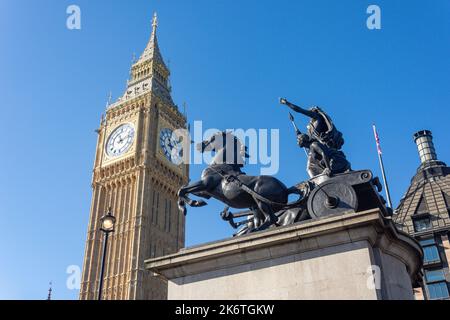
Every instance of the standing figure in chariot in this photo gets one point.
(323, 142)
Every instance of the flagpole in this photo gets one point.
(380, 159)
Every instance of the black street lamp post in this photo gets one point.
(107, 226)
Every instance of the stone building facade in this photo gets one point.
(137, 172)
(424, 213)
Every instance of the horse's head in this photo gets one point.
(225, 141)
(209, 144)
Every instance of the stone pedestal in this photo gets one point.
(349, 256)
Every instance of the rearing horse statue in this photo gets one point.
(223, 180)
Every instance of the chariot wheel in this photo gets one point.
(332, 198)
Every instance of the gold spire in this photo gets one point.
(149, 71)
(154, 23)
(152, 49)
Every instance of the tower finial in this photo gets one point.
(108, 103)
(151, 51)
(424, 141)
(154, 23)
(49, 297)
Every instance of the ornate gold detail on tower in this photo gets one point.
(133, 177)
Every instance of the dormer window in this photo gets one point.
(422, 223)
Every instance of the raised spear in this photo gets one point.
(297, 131)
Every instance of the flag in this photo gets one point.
(377, 139)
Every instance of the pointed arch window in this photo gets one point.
(154, 207)
(165, 214)
(169, 215)
(157, 206)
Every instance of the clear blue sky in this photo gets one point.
(226, 57)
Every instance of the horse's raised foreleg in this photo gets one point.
(198, 186)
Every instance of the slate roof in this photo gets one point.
(428, 194)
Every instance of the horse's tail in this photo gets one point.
(302, 190)
(294, 190)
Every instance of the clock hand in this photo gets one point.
(168, 143)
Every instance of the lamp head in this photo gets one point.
(107, 222)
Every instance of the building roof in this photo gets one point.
(148, 74)
(428, 195)
(152, 51)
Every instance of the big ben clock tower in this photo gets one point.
(138, 169)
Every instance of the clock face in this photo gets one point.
(120, 140)
(171, 146)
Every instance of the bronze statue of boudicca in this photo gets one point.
(333, 188)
